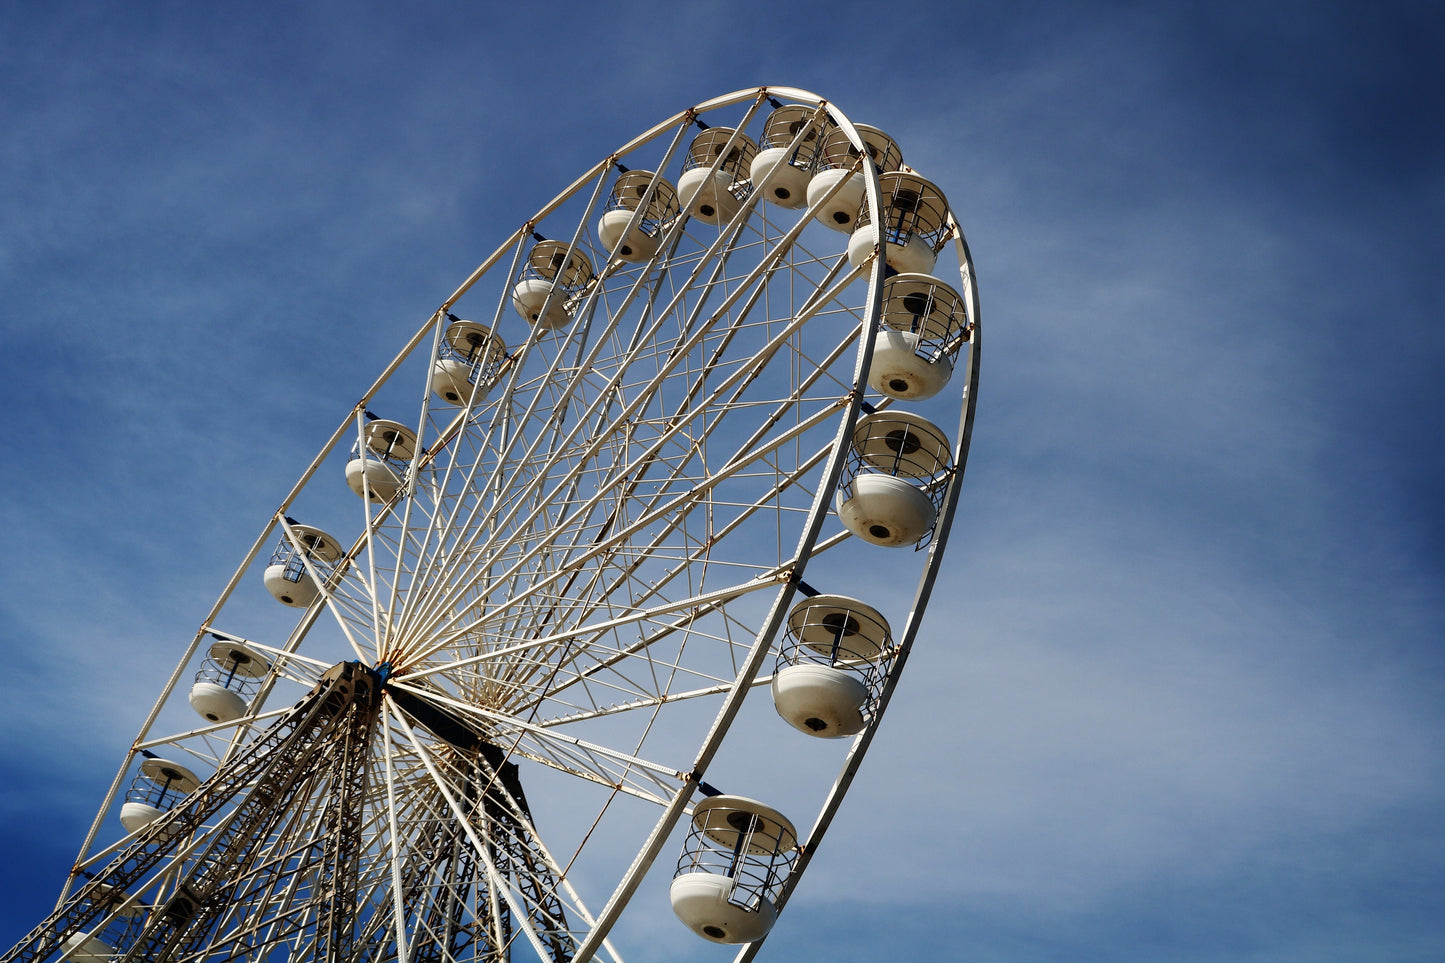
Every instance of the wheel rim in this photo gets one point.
(600, 549)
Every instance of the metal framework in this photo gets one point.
(577, 587)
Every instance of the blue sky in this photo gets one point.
(1182, 694)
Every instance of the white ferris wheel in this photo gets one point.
(671, 437)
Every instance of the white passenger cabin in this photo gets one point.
(547, 290)
(469, 362)
(713, 194)
(915, 224)
(736, 857)
(831, 665)
(227, 681)
(924, 324)
(893, 480)
(784, 165)
(839, 162)
(155, 790)
(639, 208)
(288, 577)
(378, 467)
(107, 940)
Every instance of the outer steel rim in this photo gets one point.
(747, 677)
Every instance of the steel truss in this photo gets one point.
(317, 759)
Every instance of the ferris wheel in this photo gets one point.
(661, 460)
